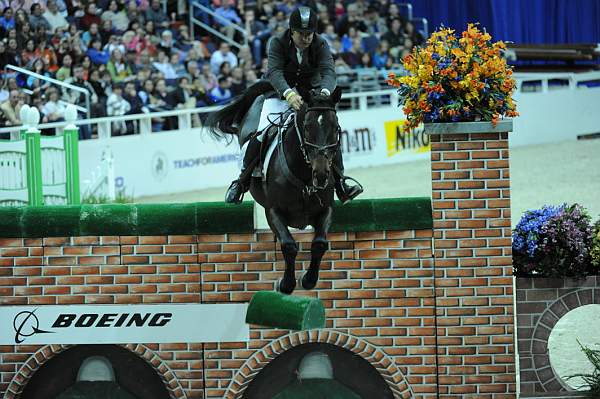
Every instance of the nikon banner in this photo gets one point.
(119, 324)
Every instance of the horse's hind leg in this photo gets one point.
(317, 250)
(289, 248)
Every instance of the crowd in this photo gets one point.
(132, 56)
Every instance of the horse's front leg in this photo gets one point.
(289, 248)
(317, 250)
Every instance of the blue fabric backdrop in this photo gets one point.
(519, 21)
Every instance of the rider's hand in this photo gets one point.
(294, 100)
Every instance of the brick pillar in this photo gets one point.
(473, 262)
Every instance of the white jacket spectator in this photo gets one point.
(54, 17)
(219, 57)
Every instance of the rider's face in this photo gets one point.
(302, 39)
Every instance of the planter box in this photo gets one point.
(541, 302)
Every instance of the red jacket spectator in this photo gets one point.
(90, 17)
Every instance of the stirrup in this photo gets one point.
(235, 193)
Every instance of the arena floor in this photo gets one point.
(542, 174)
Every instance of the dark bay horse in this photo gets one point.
(298, 189)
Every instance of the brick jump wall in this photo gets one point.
(425, 299)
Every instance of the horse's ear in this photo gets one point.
(336, 96)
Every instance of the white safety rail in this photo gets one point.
(13, 173)
(101, 183)
(54, 170)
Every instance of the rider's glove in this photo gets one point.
(294, 100)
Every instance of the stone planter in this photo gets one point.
(541, 302)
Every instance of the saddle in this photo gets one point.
(249, 123)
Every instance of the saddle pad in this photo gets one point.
(271, 106)
(274, 144)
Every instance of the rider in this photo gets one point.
(299, 60)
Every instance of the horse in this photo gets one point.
(298, 189)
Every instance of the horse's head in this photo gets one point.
(321, 136)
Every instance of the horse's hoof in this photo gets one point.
(286, 288)
(305, 283)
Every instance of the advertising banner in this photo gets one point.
(115, 324)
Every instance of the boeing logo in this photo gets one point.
(26, 324)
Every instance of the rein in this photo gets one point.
(303, 142)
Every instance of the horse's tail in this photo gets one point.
(221, 122)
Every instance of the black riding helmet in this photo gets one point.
(303, 19)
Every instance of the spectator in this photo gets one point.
(91, 34)
(257, 34)
(131, 96)
(157, 15)
(238, 84)
(12, 55)
(97, 86)
(11, 109)
(209, 79)
(375, 25)
(330, 36)
(381, 55)
(165, 67)
(53, 110)
(365, 61)
(225, 70)
(219, 57)
(36, 19)
(24, 33)
(3, 57)
(96, 54)
(200, 94)
(191, 70)
(166, 43)
(146, 95)
(113, 44)
(34, 83)
(65, 71)
(410, 33)
(227, 12)
(106, 31)
(352, 19)
(78, 98)
(178, 67)
(119, 71)
(116, 105)
(54, 17)
(250, 77)
(348, 39)
(395, 38)
(221, 94)
(287, 6)
(90, 17)
(353, 56)
(28, 54)
(117, 15)
(7, 21)
(86, 64)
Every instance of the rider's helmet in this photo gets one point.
(303, 19)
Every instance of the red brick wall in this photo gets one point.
(473, 262)
(377, 288)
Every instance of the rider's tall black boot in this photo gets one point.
(235, 192)
(344, 191)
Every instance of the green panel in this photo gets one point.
(218, 217)
(198, 218)
(288, 312)
(383, 214)
(10, 221)
(165, 219)
(108, 219)
(50, 221)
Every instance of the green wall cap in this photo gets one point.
(413, 213)
(197, 218)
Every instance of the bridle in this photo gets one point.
(318, 148)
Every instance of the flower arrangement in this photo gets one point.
(456, 80)
(553, 242)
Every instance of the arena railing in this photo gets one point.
(217, 18)
(68, 86)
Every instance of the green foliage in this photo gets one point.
(591, 381)
(121, 198)
(595, 251)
